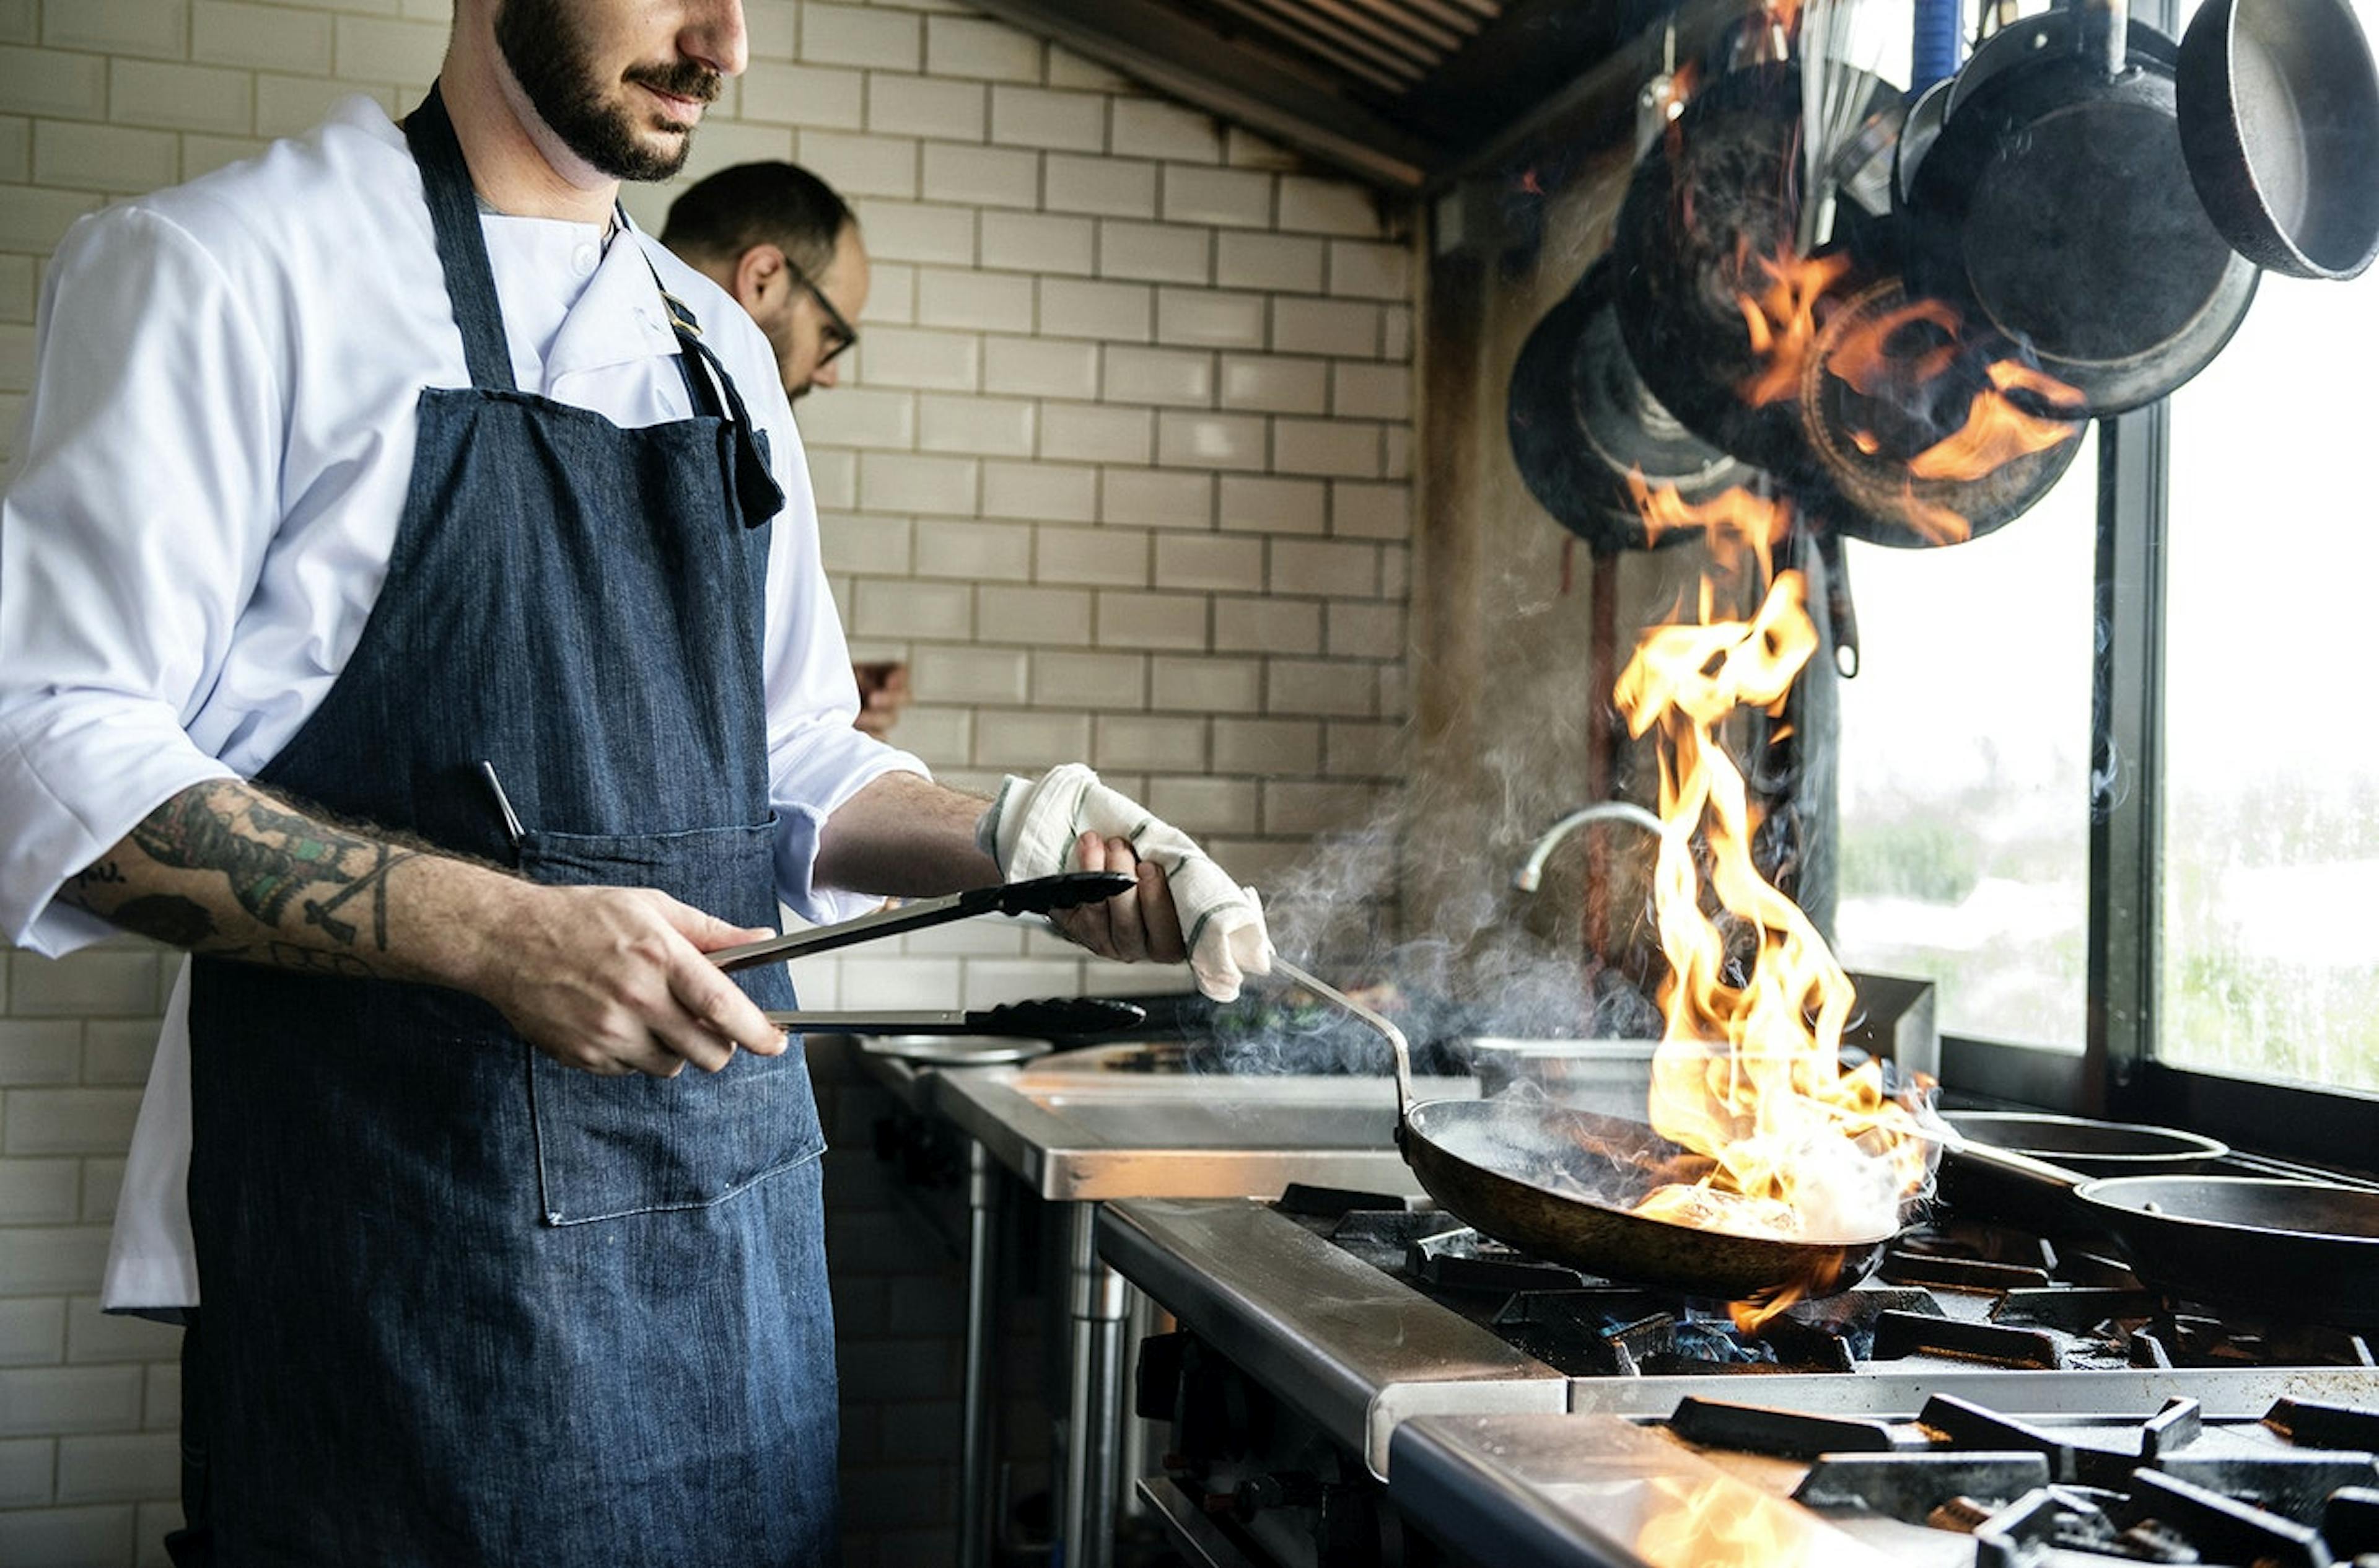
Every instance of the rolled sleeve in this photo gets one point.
(128, 540)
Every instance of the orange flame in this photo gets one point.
(1749, 1075)
(1996, 432)
(1719, 1522)
(1783, 320)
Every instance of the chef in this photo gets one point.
(410, 605)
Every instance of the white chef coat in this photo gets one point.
(214, 457)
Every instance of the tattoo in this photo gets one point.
(273, 856)
(168, 917)
(101, 873)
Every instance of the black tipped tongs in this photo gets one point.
(1039, 895)
(1054, 1018)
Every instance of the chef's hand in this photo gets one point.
(1137, 923)
(613, 980)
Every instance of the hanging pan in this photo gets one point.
(1582, 422)
(2279, 124)
(2056, 206)
(1516, 1170)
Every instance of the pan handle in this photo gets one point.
(1389, 1032)
(2105, 34)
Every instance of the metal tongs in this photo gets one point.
(1054, 1018)
(1041, 895)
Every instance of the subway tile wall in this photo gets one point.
(1119, 467)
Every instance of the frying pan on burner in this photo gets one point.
(2306, 1249)
(1502, 1166)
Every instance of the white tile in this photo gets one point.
(1307, 807)
(1036, 618)
(1330, 207)
(1110, 188)
(1210, 441)
(1371, 392)
(769, 25)
(899, 232)
(1090, 434)
(34, 220)
(1032, 116)
(1071, 308)
(854, 35)
(991, 176)
(885, 608)
(1090, 679)
(1206, 685)
(173, 97)
(1371, 512)
(1042, 366)
(722, 144)
(68, 1399)
(1395, 447)
(804, 95)
(1370, 271)
(1363, 631)
(992, 982)
(42, 1051)
(1110, 557)
(387, 49)
(1209, 561)
(1156, 498)
(156, 28)
(16, 167)
(32, 1332)
(1336, 447)
(1235, 198)
(1069, 69)
(1159, 375)
(1275, 383)
(103, 1183)
(862, 165)
(970, 675)
(1149, 743)
(26, 1467)
(93, 1336)
(1356, 750)
(897, 357)
(70, 1121)
(1267, 625)
(900, 983)
(1289, 262)
(900, 481)
(834, 477)
(993, 301)
(891, 296)
(860, 417)
(985, 936)
(38, 1191)
(967, 46)
(1032, 242)
(942, 736)
(1274, 506)
(1395, 333)
(68, 1538)
(53, 81)
(272, 38)
(52, 1260)
(1154, 252)
(1325, 326)
(972, 550)
(904, 105)
(1243, 149)
(1210, 319)
(1044, 493)
(1325, 689)
(1267, 745)
(1324, 566)
(1152, 621)
(1154, 127)
(1205, 805)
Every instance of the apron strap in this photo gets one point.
(713, 392)
(462, 249)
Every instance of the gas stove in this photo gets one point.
(1363, 1379)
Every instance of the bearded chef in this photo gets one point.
(410, 604)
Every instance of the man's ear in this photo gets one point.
(753, 269)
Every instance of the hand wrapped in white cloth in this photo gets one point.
(1037, 827)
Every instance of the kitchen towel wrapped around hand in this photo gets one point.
(1030, 830)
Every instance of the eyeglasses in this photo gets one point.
(840, 333)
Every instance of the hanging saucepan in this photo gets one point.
(1709, 210)
(2306, 1249)
(1582, 422)
(2279, 124)
(1517, 1170)
(2056, 206)
(1895, 398)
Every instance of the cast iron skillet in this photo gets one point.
(1581, 420)
(2279, 123)
(2092, 1148)
(2056, 204)
(2307, 1249)
(1499, 1166)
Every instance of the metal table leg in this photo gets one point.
(1094, 1397)
(981, 1396)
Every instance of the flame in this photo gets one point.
(1783, 320)
(1748, 1075)
(1717, 1522)
(1996, 432)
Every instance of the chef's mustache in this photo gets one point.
(686, 79)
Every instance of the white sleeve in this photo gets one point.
(816, 760)
(130, 539)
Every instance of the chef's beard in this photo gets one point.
(548, 57)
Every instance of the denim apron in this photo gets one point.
(463, 1305)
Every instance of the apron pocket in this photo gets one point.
(631, 1145)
